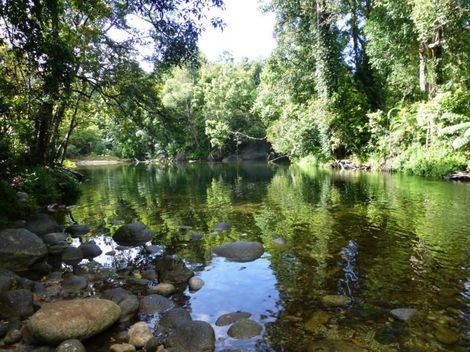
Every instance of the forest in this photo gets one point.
(384, 83)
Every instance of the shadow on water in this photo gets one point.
(385, 241)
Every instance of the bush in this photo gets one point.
(437, 161)
(9, 208)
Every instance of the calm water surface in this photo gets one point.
(386, 241)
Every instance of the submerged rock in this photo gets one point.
(240, 251)
(139, 334)
(155, 304)
(316, 320)
(446, 335)
(74, 319)
(133, 235)
(42, 224)
(230, 318)
(335, 300)
(192, 336)
(19, 249)
(403, 314)
(174, 318)
(222, 226)
(333, 346)
(172, 269)
(244, 329)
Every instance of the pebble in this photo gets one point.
(403, 314)
(122, 347)
(164, 289)
(139, 334)
(195, 283)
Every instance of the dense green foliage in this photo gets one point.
(384, 83)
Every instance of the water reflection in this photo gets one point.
(387, 241)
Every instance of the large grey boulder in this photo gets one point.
(136, 234)
(174, 318)
(74, 319)
(240, 251)
(16, 303)
(173, 270)
(42, 224)
(19, 248)
(56, 242)
(192, 336)
(128, 302)
(72, 256)
(152, 304)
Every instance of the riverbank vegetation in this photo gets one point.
(385, 83)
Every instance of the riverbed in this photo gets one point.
(384, 241)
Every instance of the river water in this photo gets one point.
(386, 241)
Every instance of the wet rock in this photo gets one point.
(149, 274)
(74, 319)
(122, 347)
(333, 346)
(230, 318)
(172, 269)
(139, 334)
(155, 304)
(174, 318)
(164, 289)
(244, 329)
(240, 251)
(19, 248)
(42, 224)
(16, 303)
(222, 226)
(6, 283)
(78, 230)
(403, 314)
(72, 256)
(90, 250)
(390, 333)
(71, 346)
(133, 281)
(74, 283)
(446, 336)
(196, 236)
(152, 345)
(192, 336)
(132, 235)
(12, 337)
(111, 253)
(128, 302)
(153, 249)
(335, 300)
(316, 320)
(56, 242)
(195, 283)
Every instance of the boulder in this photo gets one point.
(128, 302)
(240, 251)
(174, 318)
(139, 334)
(164, 289)
(90, 250)
(56, 242)
(173, 270)
(230, 318)
(132, 235)
(192, 336)
(78, 230)
(195, 283)
(72, 256)
(155, 304)
(71, 346)
(12, 337)
(244, 329)
(19, 249)
(74, 319)
(16, 303)
(42, 224)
